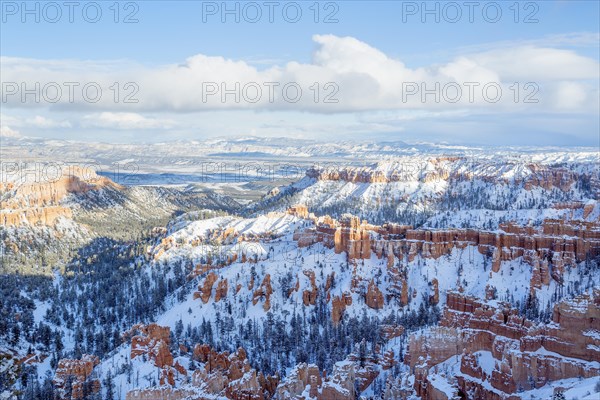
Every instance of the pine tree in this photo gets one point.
(109, 387)
(47, 391)
(559, 396)
(68, 389)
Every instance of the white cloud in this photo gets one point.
(42, 122)
(113, 120)
(36, 121)
(573, 39)
(570, 95)
(538, 64)
(363, 77)
(7, 132)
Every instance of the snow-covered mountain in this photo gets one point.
(381, 270)
(451, 191)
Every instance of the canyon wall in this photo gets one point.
(37, 199)
(527, 355)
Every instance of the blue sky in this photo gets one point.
(169, 34)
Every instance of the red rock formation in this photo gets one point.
(338, 306)
(222, 375)
(264, 291)
(299, 210)
(153, 341)
(221, 291)
(404, 295)
(205, 290)
(490, 292)
(230, 375)
(163, 393)
(43, 215)
(470, 325)
(588, 209)
(338, 386)
(391, 331)
(389, 360)
(556, 244)
(353, 238)
(374, 296)
(301, 376)
(77, 372)
(35, 198)
(365, 370)
(435, 296)
(309, 297)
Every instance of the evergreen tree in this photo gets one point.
(108, 384)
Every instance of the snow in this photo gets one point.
(419, 183)
(443, 377)
(486, 361)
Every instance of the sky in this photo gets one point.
(466, 72)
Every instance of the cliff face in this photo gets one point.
(230, 376)
(548, 249)
(264, 292)
(338, 386)
(525, 355)
(76, 374)
(458, 169)
(37, 198)
(205, 289)
(152, 343)
(437, 168)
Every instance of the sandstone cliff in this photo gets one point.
(527, 355)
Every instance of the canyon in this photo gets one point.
(437, 276)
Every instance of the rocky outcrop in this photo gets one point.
(152, 341)
(35, 197)
(391, 331)
(75, 374)
(434, 298)
(338, 306)
(205, 290)
(220, 375)
(299, 210)
(34, 216)
(309, 296)
(353, 238)
(164, 393)
(374, 297)
(303, 377)
(454, 168)
(264, 292)
(221, 291)
(230, 375)
(527, 355)
(340, 386)
(299, 377)
(556, 244)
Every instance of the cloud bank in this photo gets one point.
(345, 75)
